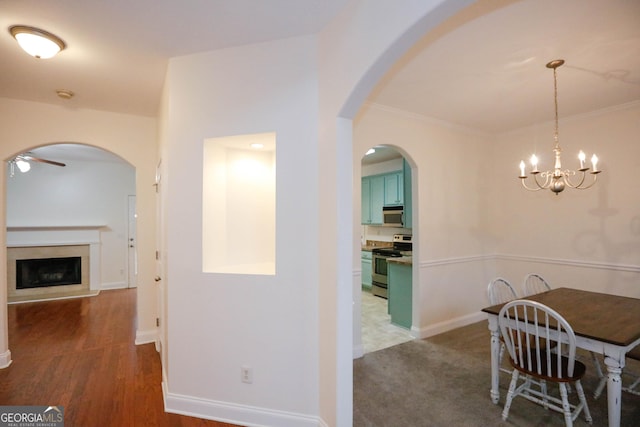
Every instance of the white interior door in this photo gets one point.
(160, 320)
(132, 279)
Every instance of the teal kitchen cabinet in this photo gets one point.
(394, 189)
(366, 258)
(400, 294)
(408, 202)
(372, 199)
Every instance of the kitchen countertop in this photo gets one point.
(374, 244)
(404, 260)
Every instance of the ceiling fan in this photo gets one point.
(21, 161)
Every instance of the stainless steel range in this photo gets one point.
(402, 246)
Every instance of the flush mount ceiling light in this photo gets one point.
(557, 179)
(36, 42)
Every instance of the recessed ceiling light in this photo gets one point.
(257, 146)
(36, 42)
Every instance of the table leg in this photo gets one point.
(614, 388)
(495, 359)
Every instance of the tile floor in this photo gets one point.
(377, 330)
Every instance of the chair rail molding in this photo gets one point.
(571, 263)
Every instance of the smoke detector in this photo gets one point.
(64, 93)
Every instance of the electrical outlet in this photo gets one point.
(246, 374)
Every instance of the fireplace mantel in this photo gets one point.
(54, 227)
(44, 235)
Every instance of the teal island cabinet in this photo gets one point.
(400, 290)
(366, 258)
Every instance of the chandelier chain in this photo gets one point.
(555, 101)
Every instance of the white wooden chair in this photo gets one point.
(500, 291)
(534, 284)
(633, 383)
(542, 345)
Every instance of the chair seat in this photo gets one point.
(579, 369)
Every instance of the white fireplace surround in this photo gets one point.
(39, 236)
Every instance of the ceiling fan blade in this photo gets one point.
(38, 159)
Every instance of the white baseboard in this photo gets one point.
(145, 337)
(113, 285)
(234, 413)
(358, 351)
(5, 359)
(450, 324)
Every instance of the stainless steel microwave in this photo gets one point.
(393, 216)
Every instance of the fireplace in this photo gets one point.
(43, 272)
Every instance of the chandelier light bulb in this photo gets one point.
(582, 157)
(594, 163)
(534, 163)
(36, 42)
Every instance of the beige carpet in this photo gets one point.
(444, 381)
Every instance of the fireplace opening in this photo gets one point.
(43, 272)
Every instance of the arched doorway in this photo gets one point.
(386, 187)
(398, 44)
(68, 201)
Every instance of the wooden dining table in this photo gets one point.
(603, 323)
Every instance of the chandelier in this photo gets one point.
(557, 179)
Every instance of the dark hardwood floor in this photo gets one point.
(80, 354)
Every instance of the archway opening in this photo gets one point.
(386, 237)
(67, 200)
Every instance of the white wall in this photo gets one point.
(133, 138)
(220, 322)
(81, 193)
(587, 239)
